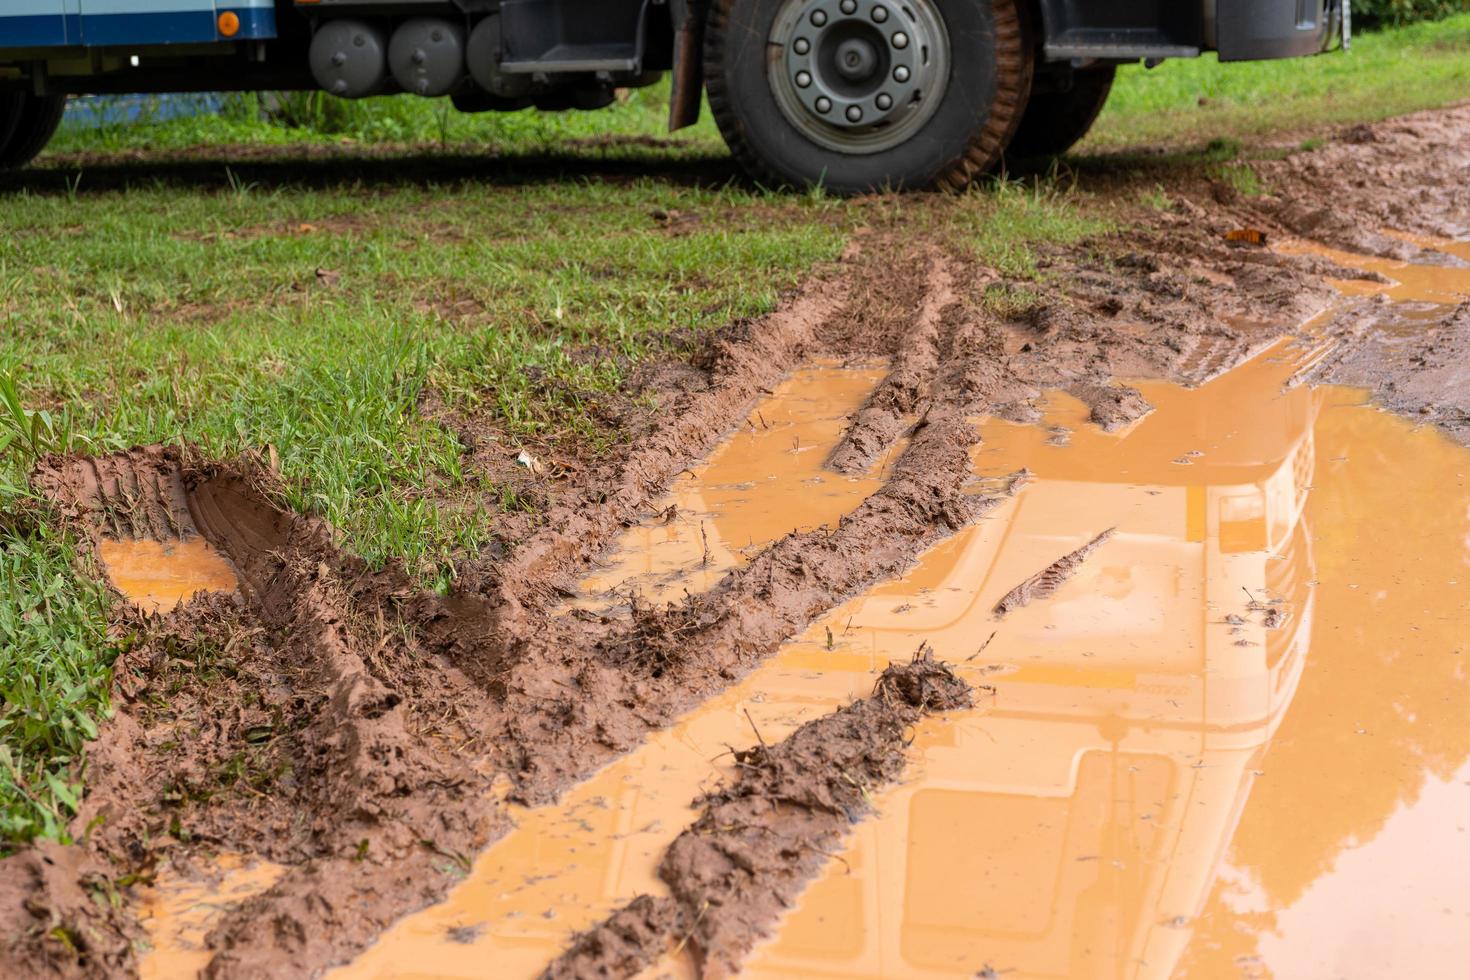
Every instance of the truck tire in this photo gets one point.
(1055, 121)
(35, 118)
(863, 95)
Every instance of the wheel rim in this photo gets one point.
(858, 76)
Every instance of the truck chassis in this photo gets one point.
(856, 95)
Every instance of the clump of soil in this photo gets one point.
(56, 917)
(622, 944)
(764, 836)
(1045, 582)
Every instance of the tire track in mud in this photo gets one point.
(897, 399)
(364, 793)
(338, 719)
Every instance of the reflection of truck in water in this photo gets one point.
(855, 94)
(1074, 828)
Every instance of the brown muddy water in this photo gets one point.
(178, 911)
(1443, 284)
(765, 481)
(158, 575)
(1236, 743)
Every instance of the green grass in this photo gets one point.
(1193, 100)
(55, 653)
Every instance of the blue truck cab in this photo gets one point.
(854, 95)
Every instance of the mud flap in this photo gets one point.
(688, 74)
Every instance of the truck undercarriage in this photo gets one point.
(853, 94)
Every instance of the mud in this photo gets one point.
(1416, 367)
(761, 838)
(1407, 340)
(1046, 582)
(372, 738)
(53, 924)
(895, 405)
(1401, 175)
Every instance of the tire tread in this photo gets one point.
(1014, 63)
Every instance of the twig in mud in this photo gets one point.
(982, 646)
(753, 728)
(704, 537)
(692, 926)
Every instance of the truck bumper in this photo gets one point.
(1252, 30)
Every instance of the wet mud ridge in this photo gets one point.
(368, 735)
(761, 839)
(1417, 368)
(1049, 579)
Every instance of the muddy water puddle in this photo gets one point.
(178, 911)
(1249, 698)
(158, 575)
(765, 481)
(1234, 745)
(1411, 281)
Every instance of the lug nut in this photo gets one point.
(803, 79)
(848, 6)
(884, 101)
(824, 104)
(819, 17)
(901, 73)
(880, 14)
(900, 40)
(854, 113)
(802, 45)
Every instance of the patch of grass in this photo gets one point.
(1190, 100)
(1011, 302)
(228, 327)
(306, 118)
(1241, 176)
(1156, 198)
(55, 655)
(1003, 221)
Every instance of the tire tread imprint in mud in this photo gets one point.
(899, 397)
(982, 147)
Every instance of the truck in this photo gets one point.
(852, 95)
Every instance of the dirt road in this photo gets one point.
(357, 746)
